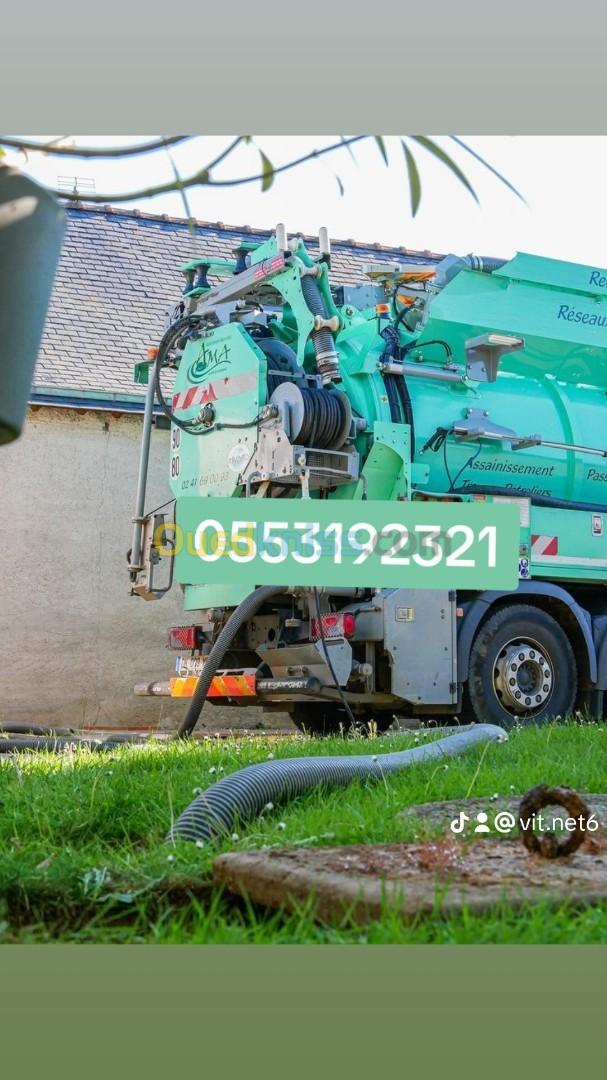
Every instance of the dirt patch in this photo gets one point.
(360, 881)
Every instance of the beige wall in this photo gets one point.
(73, 643)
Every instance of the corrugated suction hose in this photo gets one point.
(244, 794)
(327, 359)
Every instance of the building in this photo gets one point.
(74, 641)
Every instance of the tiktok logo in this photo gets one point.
(459, 823)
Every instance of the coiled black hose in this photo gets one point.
(325, 412)
(244, 794)
(282, 364)
(249, 607)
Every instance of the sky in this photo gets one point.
(560, 177)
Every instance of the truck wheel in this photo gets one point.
(522, 668)
(322, 721)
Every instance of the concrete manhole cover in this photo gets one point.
(414, 878)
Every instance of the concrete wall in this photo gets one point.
(73, 643)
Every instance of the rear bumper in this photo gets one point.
(226, 686)
(245, 688)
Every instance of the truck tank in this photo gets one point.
(547, 386)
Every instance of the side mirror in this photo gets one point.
(32, 224)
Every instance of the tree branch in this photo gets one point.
(90, 151)
(203, 178)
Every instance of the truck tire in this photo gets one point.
(522, 669)
(325, 721)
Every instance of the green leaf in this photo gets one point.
(442, 155)
(345, 143)
(379, 139)
(267, 170)
(415, 187)
(487, 165)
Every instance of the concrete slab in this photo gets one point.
(360, 881)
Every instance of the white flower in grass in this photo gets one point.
(269, 806)
(170, 858)
(281, 825)
(445, 768)
(200, 843)
(270, 756)
(196, 791)
(235, 836)
(212, 770)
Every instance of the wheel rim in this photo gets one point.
(523, 677)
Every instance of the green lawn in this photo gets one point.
(83, 857)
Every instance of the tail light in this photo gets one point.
(333, 626)
(183, 637)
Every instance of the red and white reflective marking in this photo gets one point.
(268, 266)
(229, 386)
(544, 545)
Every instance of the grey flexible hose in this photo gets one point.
(249, 606)
(243, 795)
(327, 359)
(485, 263)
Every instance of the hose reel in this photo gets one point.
(313, 416)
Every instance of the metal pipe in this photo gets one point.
(391, 367)
(523, 442)
(144, 457)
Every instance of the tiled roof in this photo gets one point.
(118, 278)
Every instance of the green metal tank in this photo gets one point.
(551, 383)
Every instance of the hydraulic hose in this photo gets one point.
(244, 794)
(249, 607)
(537, 500)
(327, 359)
(405, 399)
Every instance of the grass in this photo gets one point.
(83, 856)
